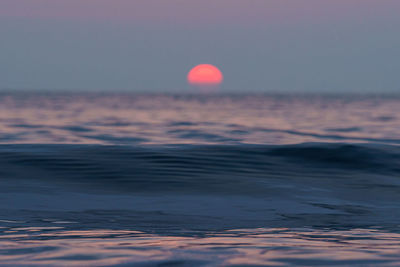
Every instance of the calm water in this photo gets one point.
(120, 179)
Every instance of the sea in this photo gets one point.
(123, 179)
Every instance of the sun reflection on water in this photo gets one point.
(280, 246)
(168, 119)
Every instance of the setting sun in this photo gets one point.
(205, 74)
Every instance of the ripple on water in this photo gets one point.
(279, 246)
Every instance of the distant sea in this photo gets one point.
(102, 179)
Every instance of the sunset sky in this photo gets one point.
(150, 45)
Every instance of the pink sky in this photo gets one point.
(206, 11)
(280, 44)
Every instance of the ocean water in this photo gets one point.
(199, 180)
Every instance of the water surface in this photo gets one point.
(225, 180)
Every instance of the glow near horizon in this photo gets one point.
(260, 45)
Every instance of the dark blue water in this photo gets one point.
(99, 180)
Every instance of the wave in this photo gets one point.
(182, 163)
(224, 186)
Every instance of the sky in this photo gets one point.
(150, 45)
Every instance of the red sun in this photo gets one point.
(205, 74)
